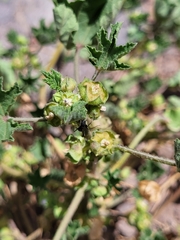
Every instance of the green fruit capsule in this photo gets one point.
(143, 221)
(141, 205)
(99, 191)
(68, 84)
(92, 92)
(103, 142)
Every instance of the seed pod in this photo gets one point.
(94, 93)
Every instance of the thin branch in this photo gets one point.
(76, 65)
(19, 119)
(34, 235)
(97, 72)
(148, 156)
(136, 141)
(70, 212)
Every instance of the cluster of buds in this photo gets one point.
(74, 103)
(68, 106)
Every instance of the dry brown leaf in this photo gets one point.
(74, 174)
(150, 190)
(96, 230)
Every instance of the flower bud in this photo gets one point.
(68, 84)
(53, 120)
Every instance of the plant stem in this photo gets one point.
(34, 235)
(96, 74)
(19, 119)
(135, 142)
(76, 65)
(140, 154)
(58, 51)
(70, 212)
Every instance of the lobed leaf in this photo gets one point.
(76, 112)
(108, 55)
(53, 79)
(45, 35)
(7, 98)
(9, 127)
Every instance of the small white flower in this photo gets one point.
(104, 143)
(103, 108)
(68, 102)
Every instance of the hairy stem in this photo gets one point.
(135, 142)
(70, 212)
(19, 119)
(140, 154)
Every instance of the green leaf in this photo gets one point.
(108, 54)
(9, 127)
(45, 35)
(173, 116)
(37, 181)
(16, 39)
(29, 82)
(75, 230)
(53, 79)
(147, 233)
(113, 179)
(152, 85)
(40, 149)
(7, 72)
(66, 24)
(7, 98)
(109, 12)
(174, 101)
(175, 80)
(86, 31)
(74, 113)
(150, 171)
(92, 14)
(57, 174)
